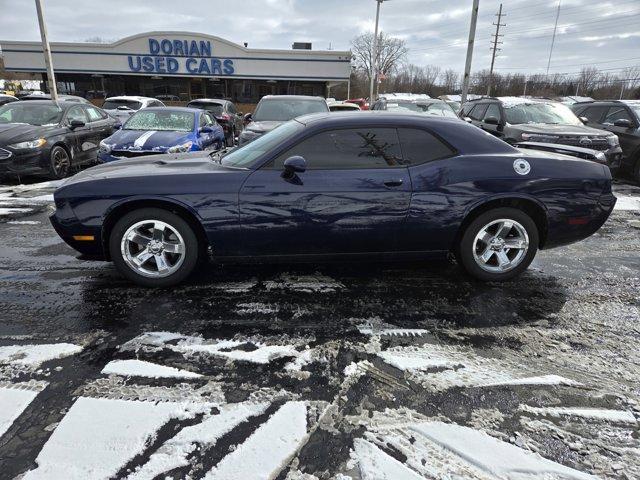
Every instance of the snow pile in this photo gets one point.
(614, 416)
(34, 355)
(265, 453)
(174, 452)
(139, 368)
(374, 464)
(14, 399)
(98, 437)
(627, 203)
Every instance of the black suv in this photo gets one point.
(226, 114)
(516, 119)
(621, 117)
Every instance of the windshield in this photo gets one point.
(551, 113)
(282, 110)
(163, 120)
(18, 112)
(214, 108)
(245, 155)
(113, 104)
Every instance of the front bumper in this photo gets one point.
(70, 229)
(24, 162)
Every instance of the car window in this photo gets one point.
(420, 146)
(94, 114)
(161, 119)
(76, 113)
(156, 103)
(593, 114)
(492, 111)
(209, 118)
(477, 113)
(617, 113)
(282, 109)
(347, 148)
(203, 121)
(231, 108)
(113, 104)
(32, 114)
(467, 108)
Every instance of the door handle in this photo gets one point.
(393, 183)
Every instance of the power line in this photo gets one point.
(575, 64)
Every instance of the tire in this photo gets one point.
(136, 257)
(483, 250)
(59, 163)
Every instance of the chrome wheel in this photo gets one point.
(153, 248)
(500, 246)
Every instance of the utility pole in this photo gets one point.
(553, 39)
(495, 48)
(467, 65)
(51, 79)
(374, 59)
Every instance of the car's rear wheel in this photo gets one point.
(498, 245)
(154, 247)
(59, 163)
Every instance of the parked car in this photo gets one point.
(125, 106)
(4, 99)
(20, 94)
(515, 119)
(431, 106)
(226, 114)
(336, 185)
(61, 97)
(574, 99)
(391, 96)
(343, 107)
(168, 98)
(273, 110)
(621, 117)
(361, 102)
(50, 138)
(153, 131)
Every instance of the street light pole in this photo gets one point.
(51, 79)
(374, 59)
(467, 65)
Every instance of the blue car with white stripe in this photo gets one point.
(163, 130)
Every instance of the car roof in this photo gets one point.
(129, 97)
(219, 101)
(292, 97)
(600, 102)
(172, 109)
(59, 103)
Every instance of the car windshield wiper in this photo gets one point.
(217, 155)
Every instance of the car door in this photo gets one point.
(626, 135)
(82, 140)
(101, 127)
(353, 197)
(476, 114)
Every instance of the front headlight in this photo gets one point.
(613, 140)
(31, 144)
(105, 147)
(537, 137)
(185, 147)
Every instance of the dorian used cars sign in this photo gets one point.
(166, 56)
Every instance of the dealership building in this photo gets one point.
(182, 64)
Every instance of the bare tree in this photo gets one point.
(391, 52)
(450, 80)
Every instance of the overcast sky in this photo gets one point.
(603, 33)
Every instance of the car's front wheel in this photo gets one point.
(59, 163)
(154, 247)
(498, 245)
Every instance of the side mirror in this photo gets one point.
(247, 117)
(206, 129)
(492, 120)
(584, 120)
(76, 124)
(293, 165)
(622, 122)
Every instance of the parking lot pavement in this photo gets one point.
(330, 372)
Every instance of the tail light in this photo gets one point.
(224, 117)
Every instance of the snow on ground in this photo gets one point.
(493, 456)
(614, 416)
(627, 203)
(13, 400)
(374, 464)
(11, 211)
(539, 380)
(266, 451)
(304, 283)
(34, 355)
(23, 222)
(140, 368)
(97, 437)
(174, 452)
(53, 184)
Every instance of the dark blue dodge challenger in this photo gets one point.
(326, 186)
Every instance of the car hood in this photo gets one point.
(263, 127)
(550, 129)
(147, 140)
(17, 132)
(188, 163)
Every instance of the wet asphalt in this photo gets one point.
(574, 313)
